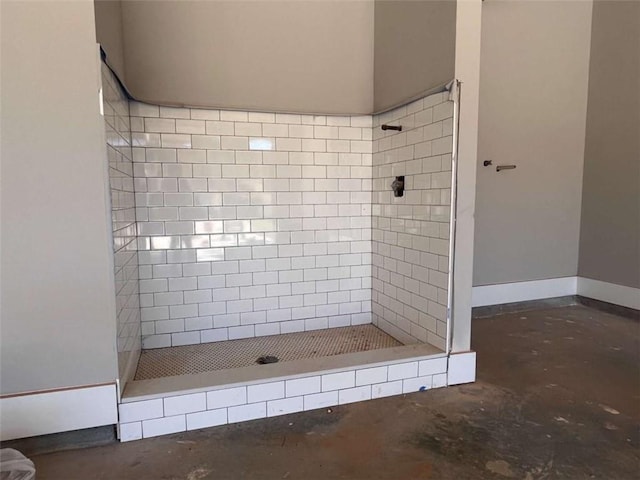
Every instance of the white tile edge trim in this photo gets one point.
(523, 291)
(57, 411)
(556, 287)
(609, 292)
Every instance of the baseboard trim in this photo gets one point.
(523, 291)
(487, 295)
(609, 292)
(43, 413)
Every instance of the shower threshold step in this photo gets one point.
(178, 403)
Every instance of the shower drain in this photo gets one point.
(267, 359)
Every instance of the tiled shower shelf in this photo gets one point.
(201, 358)
(188, 402)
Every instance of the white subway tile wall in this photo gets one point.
(189, 411)
(250, 223)
(411, 233)
(123, 219)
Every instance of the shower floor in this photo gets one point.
(207, 357)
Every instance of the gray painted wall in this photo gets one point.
(314, 57)
(108, 18)
(533, 97)
(610, 227)
(307, 57)
(414, 49)
(57, 295)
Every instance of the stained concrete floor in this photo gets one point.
(557, 397)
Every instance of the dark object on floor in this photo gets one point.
(267, 359)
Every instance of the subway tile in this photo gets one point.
(371, 375)
(432, 366)
(248, 129)
(289, 197)
(243, 413)
(303, 386)
(205, 142)
(417, 384)
(439, 380)
(275, 130)
(246, 331)
(288, 118)
(202, 114)
(234, 116)
(386, 389)
(190, 126)
(220, 156)
(262, 117)
(214, 335)
(219, 128)
(209, 418)
(357, 394)
(174, 140)
(265, 391)
(402, 371)
(137, 411)
(210, 254)
(156, 341)
(267, 329)
(226, 398)
(292, 326)
(160, 155)
(285, 406)
(320, 400)
(145, 139)
(129, 431)
(175, 112)
(163, 426)
(338, 381)
(184, 404)
(234, 143)
(139, 109)
(159, 125)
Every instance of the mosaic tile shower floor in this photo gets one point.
(206, 357)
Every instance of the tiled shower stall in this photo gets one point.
(253, 226)
(250, 224)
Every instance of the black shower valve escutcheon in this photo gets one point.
(398, 186)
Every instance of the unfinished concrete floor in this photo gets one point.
(557, 397)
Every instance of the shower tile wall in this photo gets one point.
(250, 224)
(118, 135)
(411, 233)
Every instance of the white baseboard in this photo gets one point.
(523, 291)
(609, 292)
(556, 287)
(42, 413)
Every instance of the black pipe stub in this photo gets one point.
(392, 127)
(265, 359)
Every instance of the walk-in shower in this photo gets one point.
(277, 269)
